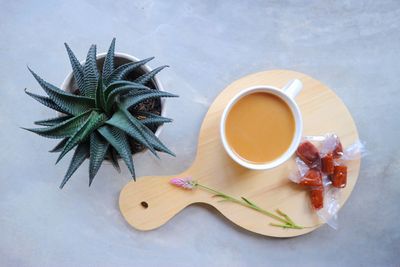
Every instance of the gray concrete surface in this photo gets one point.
(352, 46)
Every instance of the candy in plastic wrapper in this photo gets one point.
(327, 164)
(330, 144)
(338, 151)
(307, 176)
(339, 176)
(322, 169)
(308, 153)
(312, 178)
(300, 171)
(317, 197)
(331, 207)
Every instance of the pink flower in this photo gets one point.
(186, 183)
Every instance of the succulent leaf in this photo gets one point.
(148, 118)
(46, 101)
(112, 155)
(59, 147)
(53, 121)
(145, 114)
(123, 71)
(64, 129)
(80, 154)
(127, 88)
(134, 98)
(155, 121)
(115, 85)
(82, 133)
(147, 133)
(91, 73)
(99, 95)
(108, 66)
(149, 75)
(77, 68)
(122, 122)
(119, 141)
(71, 104)
(98, 149)
(122, 90)
(154, 141)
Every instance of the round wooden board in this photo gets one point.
(322, 112)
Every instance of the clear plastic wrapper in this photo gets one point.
(329, 213)
(322, 169)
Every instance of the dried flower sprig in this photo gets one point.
(285, 221)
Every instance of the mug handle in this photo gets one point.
(293, 88)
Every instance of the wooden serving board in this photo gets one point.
(322, 112)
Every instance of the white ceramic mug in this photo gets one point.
(287, 94)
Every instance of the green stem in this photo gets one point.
(284, 215)
(285, 226)
(288, 223)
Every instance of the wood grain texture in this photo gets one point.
(322, 112)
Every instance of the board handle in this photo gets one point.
(151, 201)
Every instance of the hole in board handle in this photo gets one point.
(144, 204)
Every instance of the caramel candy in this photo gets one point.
(317, 197)
(312, 178)
(327, 164)
(339, 177)
(308, 153)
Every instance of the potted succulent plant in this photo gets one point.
(110, 107)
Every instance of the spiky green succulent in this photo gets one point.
(99, 120)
